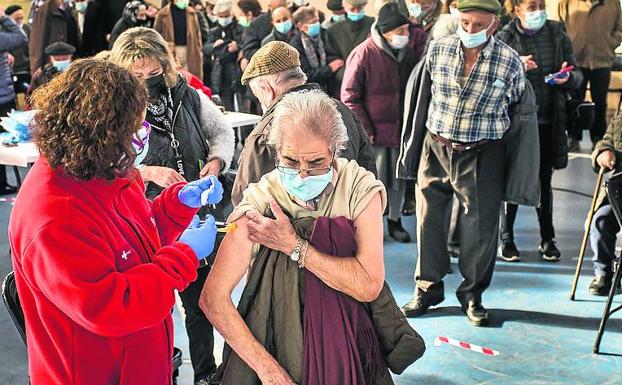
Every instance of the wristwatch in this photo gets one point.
(295, 255)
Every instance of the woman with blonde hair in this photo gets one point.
(190, 139)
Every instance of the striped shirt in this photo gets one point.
(479, 109)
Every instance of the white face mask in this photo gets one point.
(454, 12)
(399, 41)
(301, 3)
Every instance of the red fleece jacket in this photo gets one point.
(96, 265)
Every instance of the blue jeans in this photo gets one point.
(603, 233)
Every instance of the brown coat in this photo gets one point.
(595, 29)
(164, 25)
(49, 26)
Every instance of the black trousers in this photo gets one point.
(200, 330)
(545, 211)
(599, 86)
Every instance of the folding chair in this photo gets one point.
(613, 187)
(14, 307)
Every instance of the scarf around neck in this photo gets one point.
(314, 50)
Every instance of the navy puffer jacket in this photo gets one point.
(11, 37)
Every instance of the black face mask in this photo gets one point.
(155, 85)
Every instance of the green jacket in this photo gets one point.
(611, 141)
(272, 309)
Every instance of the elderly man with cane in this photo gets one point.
(604, 227)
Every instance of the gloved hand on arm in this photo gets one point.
(200, 237)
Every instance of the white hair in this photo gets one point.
(312, 112)
(281, 80)
(223, 6)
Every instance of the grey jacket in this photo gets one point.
(522, 141)
(522, 152)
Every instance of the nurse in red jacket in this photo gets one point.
(96, 264)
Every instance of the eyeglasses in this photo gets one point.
(287, 170)
(141, 137)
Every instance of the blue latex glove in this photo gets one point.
(201, 192)
(201, 238)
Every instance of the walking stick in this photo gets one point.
(586, 233)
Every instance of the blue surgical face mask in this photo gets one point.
(225, 21)
(415, 10)
(243, 21)
(181, 4)
(140, 142)
(535, 20)
(314, 29)
(284, 27)
(356, 16)
(81, 6)
(305, 189)
(472, 40)
(338, 18)
(141, 154)
(61, 65)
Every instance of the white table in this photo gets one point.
(21, 155)
(241, 119)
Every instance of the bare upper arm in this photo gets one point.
(232, 261)
(369, 238)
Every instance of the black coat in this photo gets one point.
(99, 20)
(187, 129)
(563, 53)
(320, 75)
(123, 25)
(255, 33)
(340, 39)
(225, 71)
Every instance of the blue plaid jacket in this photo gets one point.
(479, 110)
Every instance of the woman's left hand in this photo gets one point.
(276, 234)
(562, 80)
(212, 167)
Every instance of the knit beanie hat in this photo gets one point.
(390, 18)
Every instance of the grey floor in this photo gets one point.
(542, 337)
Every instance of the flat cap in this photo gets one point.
(334, 5)
(273, 57)
(492, 6)
(60, 48)
(356, 3)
